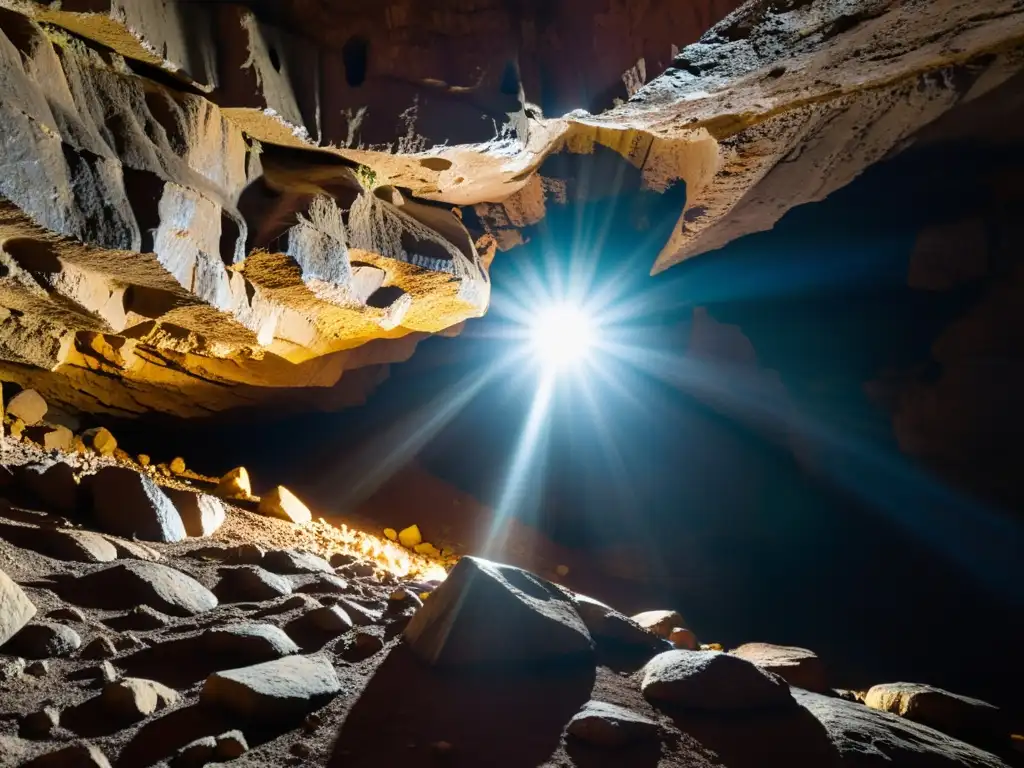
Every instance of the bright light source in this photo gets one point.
(562, 335)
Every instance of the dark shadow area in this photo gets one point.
(161, 737)
(407, 702)
(792, 737)
(634, 755)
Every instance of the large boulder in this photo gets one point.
(29, 406)
(486, 612)
(283, 689)
(960, 716)
(609, 725)
(865, 738)
(243, 583)
(660, 623)
(712, 681)
(16, 610)
(285, 505)
(136, 582)
(44, 640)
(797, 666)
(127, 503)
(61, 543)
(53, 483)
(248, 643)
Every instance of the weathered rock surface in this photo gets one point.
(29, 406)
(44, 640)
(249, 643)
(608, 625)
(486, 612)
(291, 561)
(16, 610)
(60, 544)
(133, 583)
(712, 681)
(866, 737)
(965, 718)
(201, 513)
(127, 503)
(250, 582)
(72, 756)
(609, 725)
(53, 483)
(282, 503)
(286, 688)
(660, 623)
(132, 698)
(797, 666)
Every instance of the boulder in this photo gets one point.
(53, 483)
(866, 737)
(660, 623)
(683, 638)
(177, 465)
(711, 681)
(326, 584)
(16, 610)
(609, 725)
(61, 544)
(135, 582)
(200, 513)
(486, 612)
(294, 562)
(52, 437)
(965, 718)
(797, 666)
(141, 618)
(133, 698)
(248, 643)
(129, 504)
(245, 583)
(195, 754)
(73, 756)
(231, 745)
(11, 668)
(331, 619)
(606, 625)
(234, 485)
(245, 554)
(67, 613)
(283, 504)
(100, 440)
(410, 537)
(134, 549)
(284, 689)
(99, 648)
(29, 406)
(40, 724)
(360, 615)
(44, 640)
(362, 646)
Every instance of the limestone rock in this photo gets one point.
(53, 483)
(293, 562)
(72, 756)
(131, 583)
(284, 689)
(130, 504)
(100, 440)
(11, 668)
(250, 582)
(410, 537)
(283, 504)
(133, 698)
(16, 610)
(29, 406)
(249, 643)
(52, 437)
(44, 640)
(797, 666)
(99, 648)
(660, 623)
(712, 681)
(609, 725)
(234, 485)
(486, 612)
(683, 638)
(200, 513)
(608, 625)
(963, 717)
(867, 737)
(231, 745)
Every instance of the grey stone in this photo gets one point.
(713, 681)
(608, 626)
(290, 561)
(609, 725)
(131, 583)
(16, 610)
(486, 612)
(249, 643)
(127, 503)
(44, 640)
(250, 582)
(72, 756)
(201, 513)
(797, 666)
(283, 689)
(134, 698)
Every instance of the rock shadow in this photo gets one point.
(520, 711)
(792, 737)
(161, 737)
(177, 663)
(646, 755)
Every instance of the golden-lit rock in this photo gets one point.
(410, 537)
(177, 465)
(428, 549)
(234, 485)
(29, 406)
(683, 638)
(17, 429)
(391, 534)
(144, 460)
(283, 504)
(660, 623)
(100, 440)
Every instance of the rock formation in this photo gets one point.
(216, 205)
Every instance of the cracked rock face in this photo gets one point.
(211, 206)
